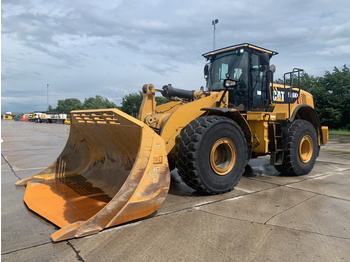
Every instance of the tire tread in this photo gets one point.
(187, 144)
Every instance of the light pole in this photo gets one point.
(47, 96)
(214, 22)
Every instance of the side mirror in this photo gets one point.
(206, 71)
(273, 68)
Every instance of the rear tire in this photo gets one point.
(211, 154)
(302, 149)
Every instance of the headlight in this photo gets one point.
(230, 83)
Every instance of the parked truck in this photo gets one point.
(48, 117)
(7, 116)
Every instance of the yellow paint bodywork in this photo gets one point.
(258, 120)
(183, 115)
(325, 134)
(170, 118)
(258, 123)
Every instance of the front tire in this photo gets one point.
(211, 154)
(301, 151)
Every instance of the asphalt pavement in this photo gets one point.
(267, 217)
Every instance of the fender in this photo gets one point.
(308, 113)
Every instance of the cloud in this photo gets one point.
(336, 51)
(84, 48)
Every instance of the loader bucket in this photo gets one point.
(113, 169)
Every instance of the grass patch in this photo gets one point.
(339, 132)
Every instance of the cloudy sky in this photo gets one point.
(111, 48)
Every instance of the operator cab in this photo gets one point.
(248, 66)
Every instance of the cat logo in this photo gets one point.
(278, 96)
(282, 95)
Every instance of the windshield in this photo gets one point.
(235, 63)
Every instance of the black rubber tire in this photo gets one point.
(171, 164)
(292, 161)
(194, 149)
(280, 168)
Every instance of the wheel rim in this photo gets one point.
(223, 156)
(306, 149)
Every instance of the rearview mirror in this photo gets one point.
(206, 71)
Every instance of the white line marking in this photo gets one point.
(244, 190)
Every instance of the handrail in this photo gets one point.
(291, 77)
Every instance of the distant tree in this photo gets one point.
(131, 103)
(98, 102)
(334, 97)
(51, 109)
(69, 104)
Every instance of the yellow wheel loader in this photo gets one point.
(116, 168)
